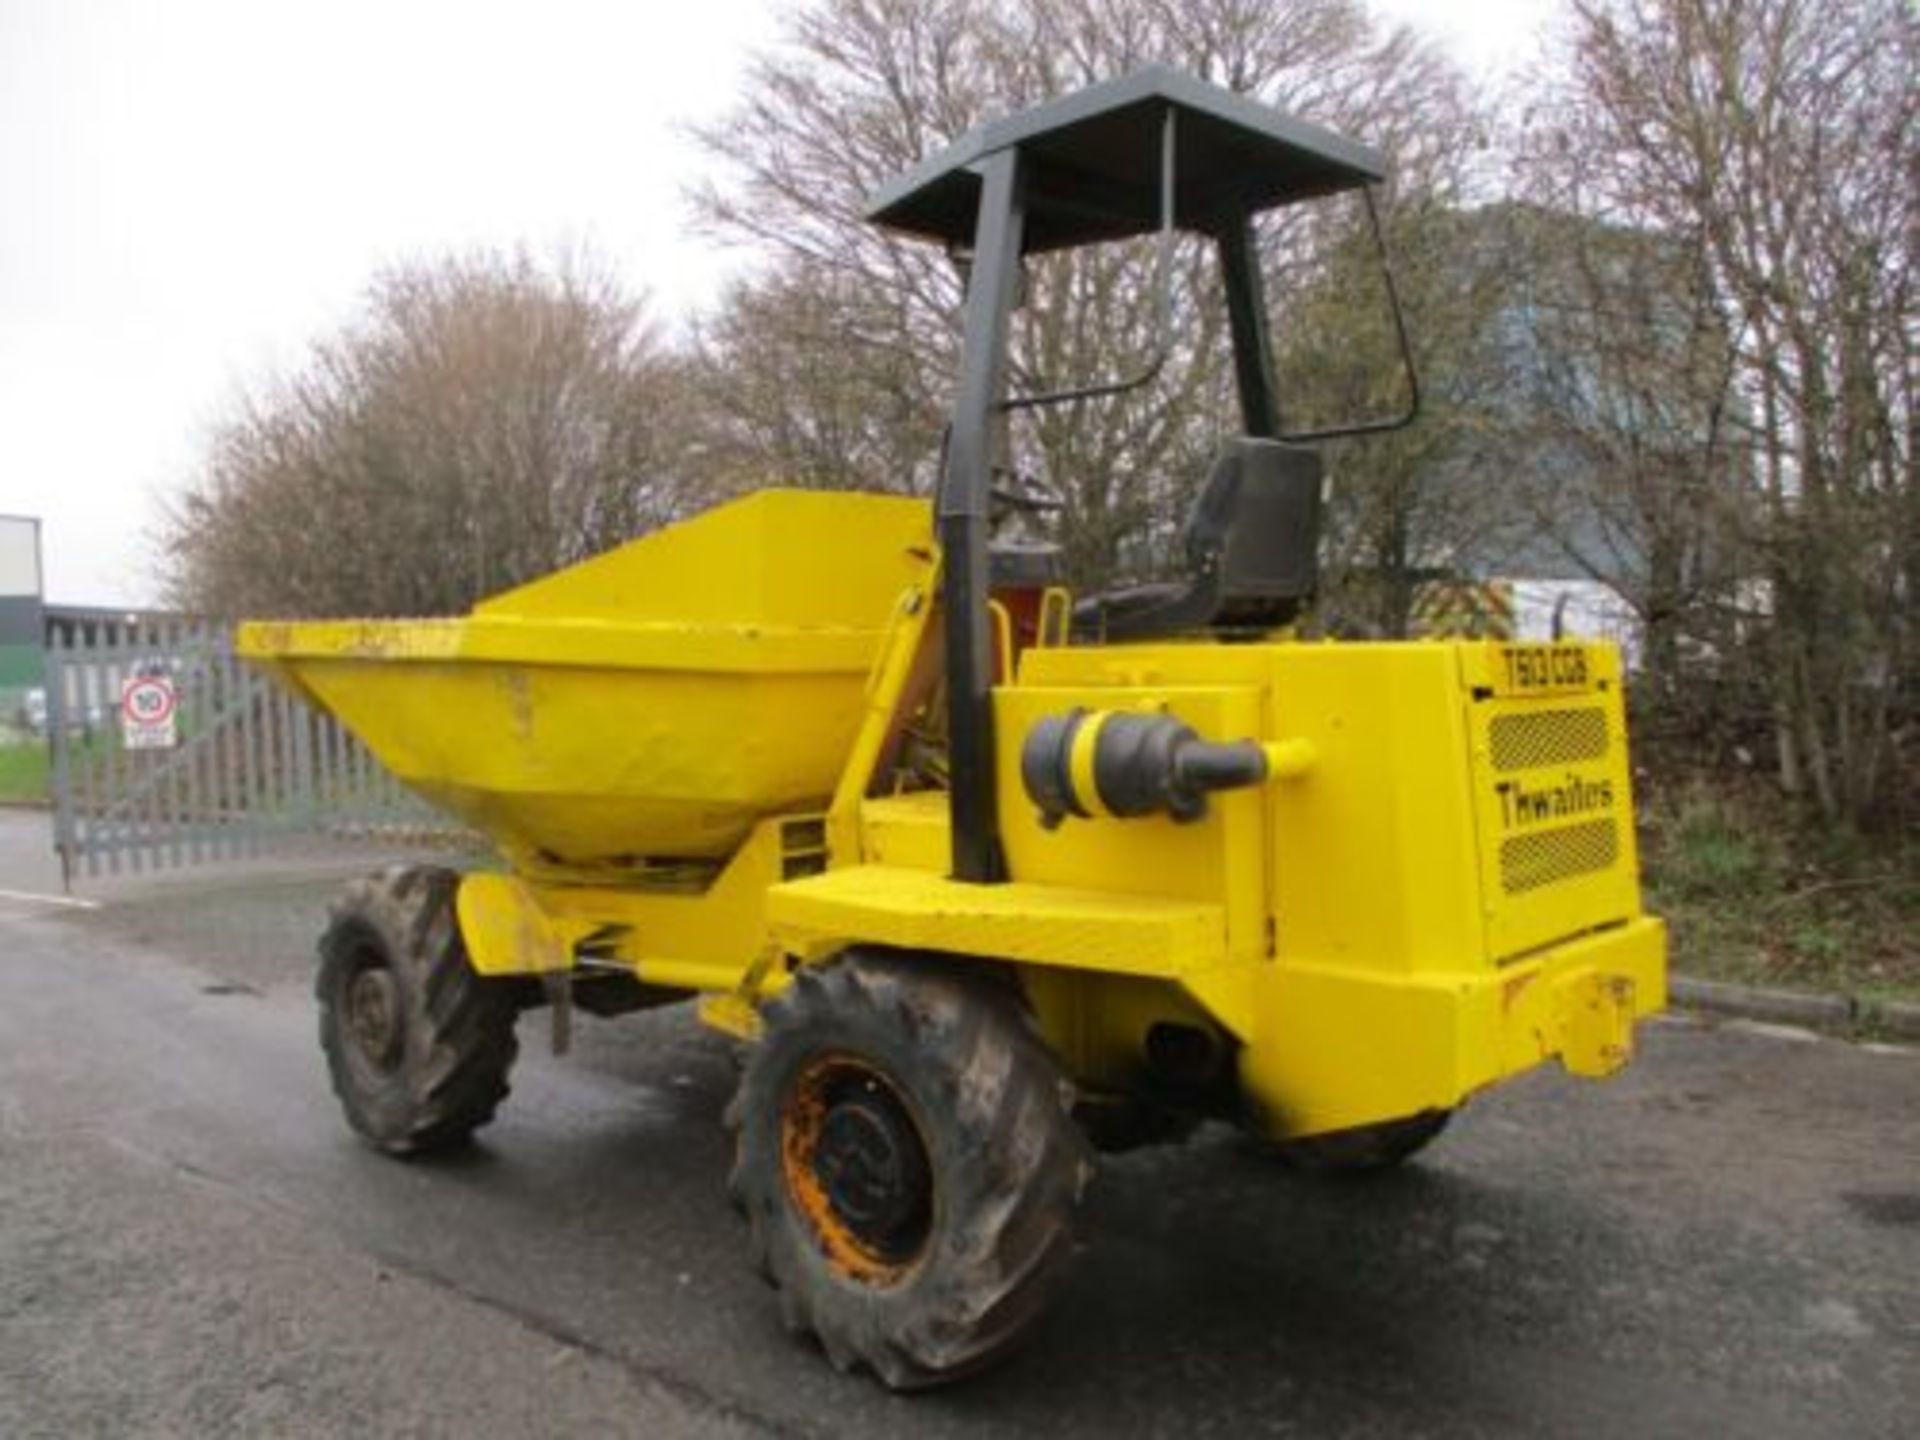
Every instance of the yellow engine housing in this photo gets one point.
(1444, 894)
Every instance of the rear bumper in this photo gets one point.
(1576, 1002)
(1340, 1047)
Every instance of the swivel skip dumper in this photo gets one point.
(984, 875)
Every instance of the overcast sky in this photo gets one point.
(190, 189)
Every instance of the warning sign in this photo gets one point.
(148, 707)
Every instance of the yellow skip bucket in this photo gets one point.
(650, 703)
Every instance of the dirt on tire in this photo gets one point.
(1006, 1162)
(418, 1045)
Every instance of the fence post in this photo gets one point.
(303, 752)
(62, 762)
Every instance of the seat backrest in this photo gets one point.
(1255, 526)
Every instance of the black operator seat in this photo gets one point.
(1251, 546)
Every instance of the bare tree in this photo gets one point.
(801, 381)
(863, 89)
(1776, 140)
(1624, 425)
(1434, 500)
(482, 421)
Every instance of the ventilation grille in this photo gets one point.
(1529, 861)
(803, 848)
(1532, 738)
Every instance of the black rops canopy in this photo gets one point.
(1092, 166)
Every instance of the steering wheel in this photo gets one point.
(1013, 491)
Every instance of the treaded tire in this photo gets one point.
(1004, 1166)
(418, 1045)
(1366, 1148)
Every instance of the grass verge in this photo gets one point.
(1756, 895)
(23, 772)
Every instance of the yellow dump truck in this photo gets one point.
(987, 875)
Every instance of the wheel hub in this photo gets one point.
(857, 1168)
(373, 1016)
(874, 1170)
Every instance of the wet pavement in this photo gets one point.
(1725, 1240)
(29, 867)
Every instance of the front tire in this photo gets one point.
(907, 1166)
(418, 1045)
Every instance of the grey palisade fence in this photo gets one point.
(252, 769)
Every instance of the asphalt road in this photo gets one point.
(1724, 1241)
(28, 864)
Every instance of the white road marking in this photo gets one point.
(1766, 1029)
(71, 902)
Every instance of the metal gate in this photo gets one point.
(238, 768)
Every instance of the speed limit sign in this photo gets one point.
(148, 706)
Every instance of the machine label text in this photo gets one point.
(1522, 804)
(1544, 667)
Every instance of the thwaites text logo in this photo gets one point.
(1522, 804)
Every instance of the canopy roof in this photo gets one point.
(1093, 164)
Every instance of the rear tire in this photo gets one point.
(418, 1045)
(1366, 1148)
(907, 1166)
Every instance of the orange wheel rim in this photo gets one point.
(856, 1168)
